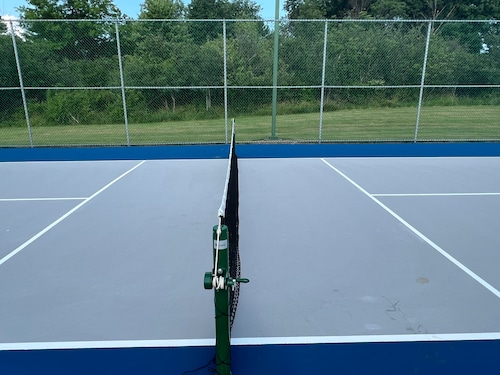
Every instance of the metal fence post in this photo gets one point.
(122, 82)
(225, 77)
(422, 81)
(323, 84)
(275, 68)
(21, 84)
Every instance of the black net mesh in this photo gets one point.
(231, 220)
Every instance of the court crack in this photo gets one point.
(394, 312)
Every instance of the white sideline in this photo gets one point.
(419, 234)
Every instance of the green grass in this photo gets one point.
(477, 122)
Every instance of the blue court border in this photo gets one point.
(466, 357)
(251, 151)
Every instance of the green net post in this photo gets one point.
(222, 306)
(223, 283)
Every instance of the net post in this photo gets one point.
(222, 304)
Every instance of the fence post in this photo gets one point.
(323, 84)
(122, 82)
(275, 69)
(429, 27)
(225, 77)
(21, 84)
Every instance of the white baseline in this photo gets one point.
(240, 341)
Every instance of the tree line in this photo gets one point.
(387, 9)
(169, 48)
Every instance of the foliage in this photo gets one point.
(387, 9)
(218, 10)
(73, 39)
(83, 107)
(173, 64)
(3, 27)
(162, 9)
(9, 100)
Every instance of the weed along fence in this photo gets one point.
(137, 82)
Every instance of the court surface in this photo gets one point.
(355, 264)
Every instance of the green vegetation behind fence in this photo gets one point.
(105, 82)
(373, 124)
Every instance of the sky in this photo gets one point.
(132, 7)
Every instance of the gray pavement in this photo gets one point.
(104, 251)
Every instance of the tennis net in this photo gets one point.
(225, 276)
(229, 215)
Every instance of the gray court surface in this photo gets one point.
(115, 251)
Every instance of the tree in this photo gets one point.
(452, 9)
(243, 9)
(218, 10)
(388, 9)
(156, 47)
(162, 9)
(310, 9)
(209, 68)
(9, 100)
(3, 26)
(249, 56)
(481, 9)
(415, 9)
(73, 39)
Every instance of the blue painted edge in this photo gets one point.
(437, 357)
(251, 151)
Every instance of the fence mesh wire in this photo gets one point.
(135, 82)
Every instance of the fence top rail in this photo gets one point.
(282, 20)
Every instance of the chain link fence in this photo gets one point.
(138, 82)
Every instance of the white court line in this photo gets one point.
(42, 199)
(366, 338)
(482, 336)
(50, 226)
(106, 344)
(434, 194)
(419, 234)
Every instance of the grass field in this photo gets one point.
(480, 122)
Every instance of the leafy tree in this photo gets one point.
(243, 9)
(156, 62)
(250, 56)
(9, 100)
(75, 39)
(3, 26)
(218, 10)
(415, 9)
(480, 9)
(388, 9)
(157, 47)
(162, 9)
(310, 9)
(208, 62)
(452, 9)
(206, 9)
